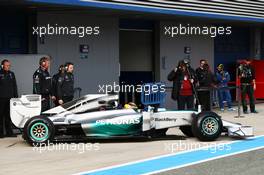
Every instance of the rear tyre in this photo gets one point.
(207, 126)
(39, 131)
(187, 130)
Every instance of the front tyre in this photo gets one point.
(207, 126)
(39, 131)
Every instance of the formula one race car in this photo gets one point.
(98, 116)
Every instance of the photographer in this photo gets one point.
(246, 74)
(223, 78)
(206, 81)
(183, 78)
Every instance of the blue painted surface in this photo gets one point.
(147, 9)
(182, 159)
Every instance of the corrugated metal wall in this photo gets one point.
(232, 8)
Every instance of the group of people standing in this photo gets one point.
(59, 88)
(189, 83)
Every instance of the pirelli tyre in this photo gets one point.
(39, 131)
(207, 126)
(187, 130)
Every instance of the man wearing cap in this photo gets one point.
(223, 78)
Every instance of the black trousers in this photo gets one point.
(247, 90)
(56, 102)
(66, 99)
(205, 99)
(185, 101)
(45, 104)
(5, 120)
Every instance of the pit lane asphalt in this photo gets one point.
(242, 164)
(16, 157)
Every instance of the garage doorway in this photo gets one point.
(136, 55)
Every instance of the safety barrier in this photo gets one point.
(153, 94)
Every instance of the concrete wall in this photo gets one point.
(102, 65)
(172, 50)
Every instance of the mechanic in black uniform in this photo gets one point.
(246, 74)
(66, 84)
(206, 81)
(8, 90)
(42, 83)
(55, 79)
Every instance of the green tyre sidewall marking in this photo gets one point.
(37, 138)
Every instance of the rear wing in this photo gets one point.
(21, 109)
(28, 106)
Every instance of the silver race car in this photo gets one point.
(98, 116)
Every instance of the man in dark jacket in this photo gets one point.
(55, 79)
(42, 83)
(66, 85)
(223, 90)
(8, 90)
(206, 82)
(183, 78)
(247, 77)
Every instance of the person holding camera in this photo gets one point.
(246, 74)
(223, 78)
(205, 83)
(183, 78)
